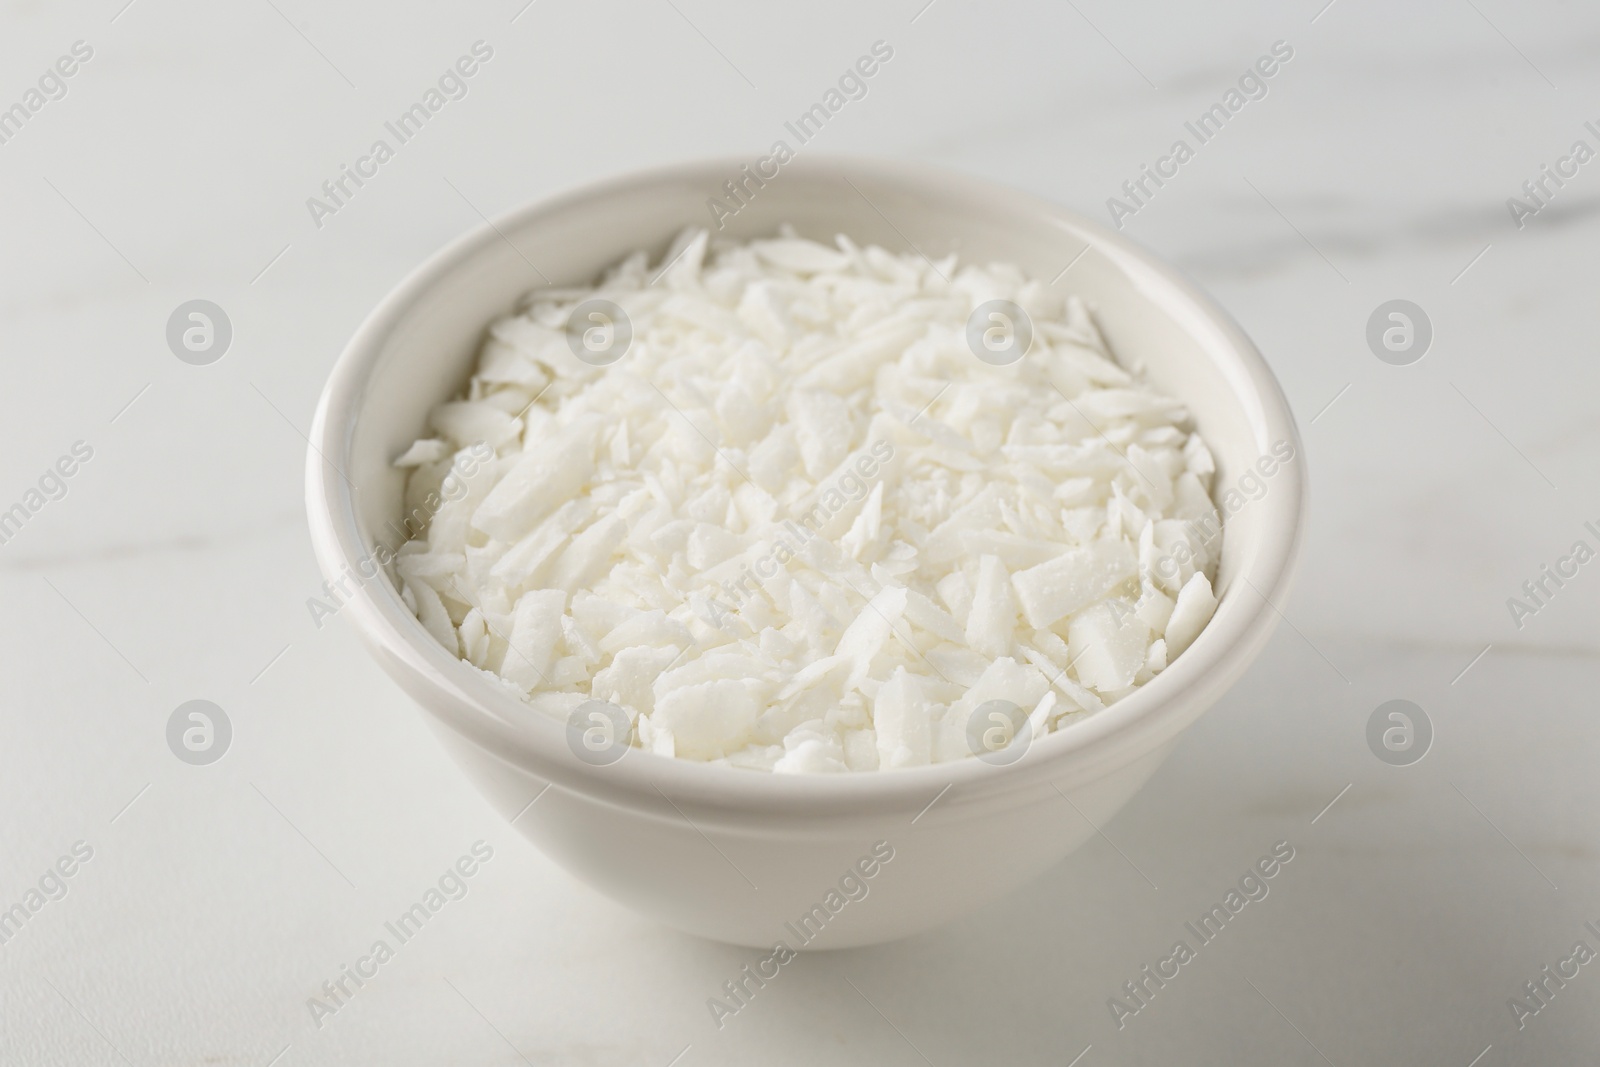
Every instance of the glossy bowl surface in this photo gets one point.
(743, 856)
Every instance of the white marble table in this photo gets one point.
(176, 567)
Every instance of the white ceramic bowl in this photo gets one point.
(736, 855)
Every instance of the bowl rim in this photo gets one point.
(465, 701)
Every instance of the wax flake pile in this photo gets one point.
(798, 526)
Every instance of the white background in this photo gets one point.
(178, 567)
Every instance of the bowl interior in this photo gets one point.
(418, 348)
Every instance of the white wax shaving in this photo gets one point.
(799, 526)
